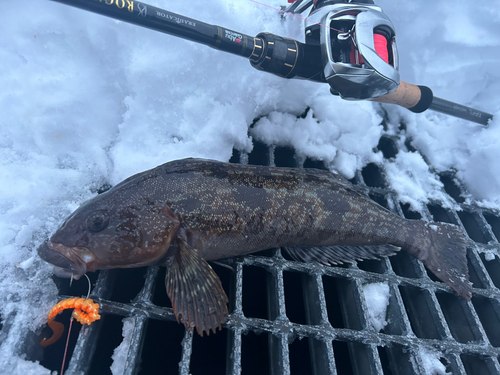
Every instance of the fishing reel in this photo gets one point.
(358, 48)
(351, 46)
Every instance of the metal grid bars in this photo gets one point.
(288, 317)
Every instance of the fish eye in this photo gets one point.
(97, 221)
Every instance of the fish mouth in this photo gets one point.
(67, 261)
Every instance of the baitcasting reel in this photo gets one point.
(358, 49)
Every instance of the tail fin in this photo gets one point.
(443, 251)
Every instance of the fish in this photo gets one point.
(187, 212)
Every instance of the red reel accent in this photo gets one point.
(380, 46)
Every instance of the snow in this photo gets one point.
(87, 100)
(432, 364)
(120, 353)
(377, 299)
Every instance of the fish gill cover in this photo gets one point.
(86, 101)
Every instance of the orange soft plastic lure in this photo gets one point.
(85, 311)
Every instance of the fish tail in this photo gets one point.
(442, 249)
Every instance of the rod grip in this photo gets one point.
(416, 98)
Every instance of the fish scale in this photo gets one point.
(186, 212)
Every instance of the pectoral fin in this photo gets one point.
(195, 290)
(331, 255)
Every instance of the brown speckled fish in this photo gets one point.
(187, 212)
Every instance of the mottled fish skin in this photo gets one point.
(188, 211)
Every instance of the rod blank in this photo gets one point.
(460, 111)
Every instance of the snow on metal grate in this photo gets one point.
(288, 317)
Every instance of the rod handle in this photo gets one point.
(420, 98)
(416, 98)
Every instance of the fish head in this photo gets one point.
(104, 234)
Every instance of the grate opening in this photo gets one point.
(475, 365)
(409, 146)
(267, 253)
(396, 321)
(376, 266)
(451, 187)
(403, 264)
(494, 222)
(255, 354)
(333, 306)
(103, 188)
(362, 357)
(294, 297)
(493, 269)
(313, 298)
(162, 347)
(432, 276)
(78, 287)
(226, 276)
(421, 312)
(380, 199)
(440, 214)
(300, 358)
(342, 357)
(394, 359)
(373, 176)
(160, 297)
(321, 357)
(384, 360)
(458, 317)
(350, 302)
(408, 213)
(255, 296)
(387, 145)
(488, 312)
(128, 284)
(474, 277)
(284, 157)
(111, 328)
(235, 156)
(449, 365)
(260, 154)
(53, 354)
(206, 353)
(470, 222)
(313, 163)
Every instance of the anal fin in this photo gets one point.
(195, 290)
(331, 255)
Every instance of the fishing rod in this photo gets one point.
(350, 46)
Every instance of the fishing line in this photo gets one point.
(90, 285)
(295, 15)
(381, 46)
(66, 347)
(71, 324)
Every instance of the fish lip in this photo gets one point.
(67, 261)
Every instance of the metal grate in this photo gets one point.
(288, 317)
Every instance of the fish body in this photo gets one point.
(186, 212)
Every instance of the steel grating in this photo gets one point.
(288, 317)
